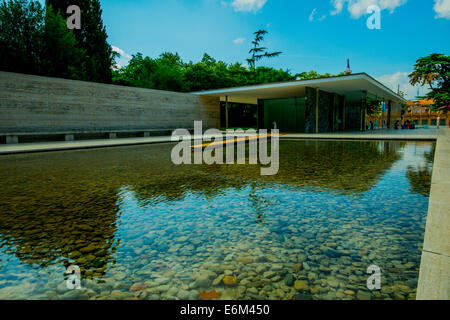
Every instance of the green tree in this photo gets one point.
(21, 36)
(312, 75)
(169, 71)
(164, 73)
(138, 72)
(269, 75)
(239, 74)
(373, 106)
(258, 52)
(91, 38)
(199, 76)
(434, 71)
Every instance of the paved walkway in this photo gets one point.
(384, 134)
(80, 144)
(434, 277)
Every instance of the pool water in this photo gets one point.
(140, 227)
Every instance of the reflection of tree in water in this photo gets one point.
(348, 167)
(59, 226)
(420, 175)
(175, 187)
(259, 204)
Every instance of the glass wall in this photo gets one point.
(285, 114)
(240, 115)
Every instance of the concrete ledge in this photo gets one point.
(15, 136)
(362, 136)
(434, 275)
(75, 145)
(437, 228)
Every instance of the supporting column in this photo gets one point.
(112, 135)
(334, 113)
(365, 111)
(146, 134)
(362, 111)
(317, 110)
(69, 137)
(390, 113)
(260, 106)
(257, 115)
(226, 112)
(343, 115)
(12, 139)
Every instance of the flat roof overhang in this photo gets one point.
(350, 86)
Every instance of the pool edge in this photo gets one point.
(434, 274)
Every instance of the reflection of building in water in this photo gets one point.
(348, 167)
(419, 173)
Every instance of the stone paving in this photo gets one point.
(383, 134)
(434, 277)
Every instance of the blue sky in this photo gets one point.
(313, 35)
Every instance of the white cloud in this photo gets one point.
(442, 8)
(123, 59)
(338, 6)
(248, 5)
(239, 40)
(122, 53)
(401, 78)
(312, 16)
(357, 8)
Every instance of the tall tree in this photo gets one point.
(258, 52)
(434, 71)
(21, 36)
(91, 38)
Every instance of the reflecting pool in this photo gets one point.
(140, 227)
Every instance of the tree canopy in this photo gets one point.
(170, 72)
(36, 40)
(434, 71)
(21, 36)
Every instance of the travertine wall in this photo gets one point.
(41, 104)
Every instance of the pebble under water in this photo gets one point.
(140, 227)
